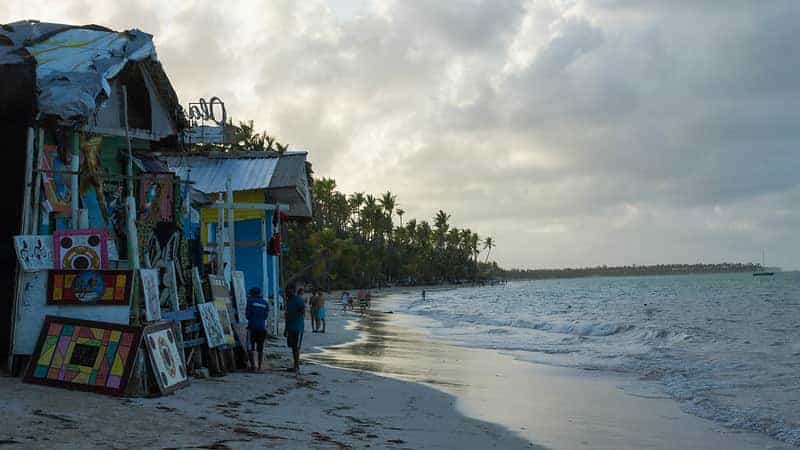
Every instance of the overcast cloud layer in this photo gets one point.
(573, 132)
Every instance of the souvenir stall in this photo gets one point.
(98, 251)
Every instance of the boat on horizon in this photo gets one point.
(763, 273)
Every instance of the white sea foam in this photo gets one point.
(725, 346)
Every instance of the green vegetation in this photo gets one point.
(353, 241)
(625, 271)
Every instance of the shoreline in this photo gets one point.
(324, 407)
(597, 409)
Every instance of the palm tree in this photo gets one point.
(488, 245)
(400, 213)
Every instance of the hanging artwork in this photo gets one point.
(156, 197)
(115, 215)
(34, 252)
(166, 357)
(55, 180)
(89, 287)
(219, 288)
(81, 249)
(237, 277)
(152, 302)
(211, 324)
(86, 355)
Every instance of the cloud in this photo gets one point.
(573, 132)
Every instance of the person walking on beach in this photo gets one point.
(318, 303)
(363, 300)
(312, 306)
(256, 313)
(295, 324)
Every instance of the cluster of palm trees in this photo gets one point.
(353, 241)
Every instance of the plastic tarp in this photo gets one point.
(75, 65)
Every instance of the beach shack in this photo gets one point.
(82, 212)
(255, 191)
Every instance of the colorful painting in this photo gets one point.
(237, 277)
(89, 287)
(81, 249)
(152, 301)
(166, 357)
(219, 288)
(86, 355)
(210, 318)
(34, 252)
(156, 197)
(55, 181)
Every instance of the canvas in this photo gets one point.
(211, 324)
(197, 286)
(55, 183)
(166, 357)
(156, 197)
(152, 301)
(86, 355)
(225, 321)
(81, 249)
(89, 287)
(34, 252)
(237, 277)
(219, 288)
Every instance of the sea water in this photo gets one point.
(727, 346)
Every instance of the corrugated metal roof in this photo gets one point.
(210, 174)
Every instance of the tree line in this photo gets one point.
(632, 270)
(353, 241)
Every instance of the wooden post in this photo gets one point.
(264, 256)
(276, 266)
(231, 223)
(75, 166)
(26, 196)
(133, 236)
(220, 239)
(37, 184)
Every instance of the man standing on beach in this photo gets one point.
(295, 324)
(312, 305)
(318, 308)
(256, 313)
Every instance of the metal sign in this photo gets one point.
(212, 110)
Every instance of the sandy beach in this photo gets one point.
(321, 408)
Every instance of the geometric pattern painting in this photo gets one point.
(89, 287)
(81, 249)
(211, 324)
(165, 357)
(85, 355)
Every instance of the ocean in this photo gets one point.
(726, 346)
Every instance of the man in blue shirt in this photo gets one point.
(257, 313)
(295, 323)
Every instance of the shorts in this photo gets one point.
(320, 314)
(257, 340)
(294, 339)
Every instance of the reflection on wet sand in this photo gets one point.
(389, 349)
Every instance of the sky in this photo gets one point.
(574, 133)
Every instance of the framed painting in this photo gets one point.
(225, 321)
(166, 357)
(237, 277)
(156, 197)
(211, 324)
(81, 249)
(152, 300)
(84, 355)
(89, 287)
(219, 288)
(34, 252)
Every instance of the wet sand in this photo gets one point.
(560, 408)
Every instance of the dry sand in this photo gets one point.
(323, 407)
